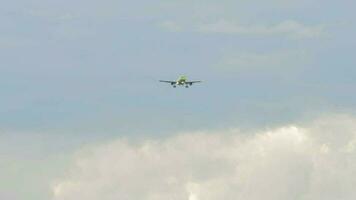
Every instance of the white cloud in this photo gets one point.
(289, 28)
(7, 42)
(292, 162)
(265, 61)
(171, 26)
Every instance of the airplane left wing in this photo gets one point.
(171, 82)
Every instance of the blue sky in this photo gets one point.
(67, 66)
(77, 73)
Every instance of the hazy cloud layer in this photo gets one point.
(313, 162)
(265, 61)
(289, 28)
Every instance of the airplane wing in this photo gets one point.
(171, 82)
(191, 82)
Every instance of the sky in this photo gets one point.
(81, 108)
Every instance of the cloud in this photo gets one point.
(290, 29)
(252, 60)
(315, 162)
(265, 61)
(8, 42)
(171, 26)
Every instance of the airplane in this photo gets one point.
(182, 81)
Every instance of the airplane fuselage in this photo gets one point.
(181, 80)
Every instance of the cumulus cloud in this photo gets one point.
(311, 162)
(288, 28)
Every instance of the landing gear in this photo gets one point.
(186, 86)
(174, 86)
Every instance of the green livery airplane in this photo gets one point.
(182, 81)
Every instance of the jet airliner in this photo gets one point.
(181, 81)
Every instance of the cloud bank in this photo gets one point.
(314, 162)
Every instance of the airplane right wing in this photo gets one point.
(191, 82)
